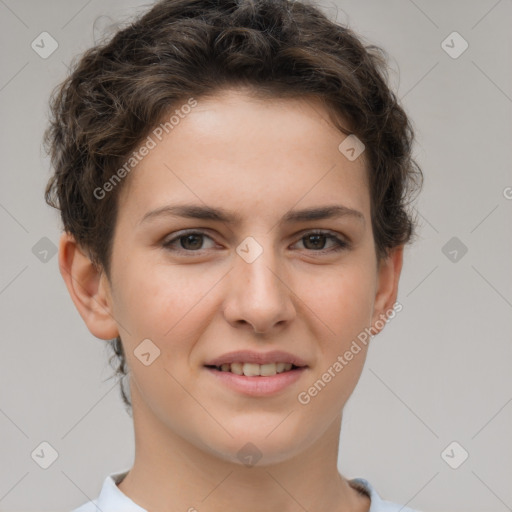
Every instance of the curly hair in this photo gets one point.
(120, 89)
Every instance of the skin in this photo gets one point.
(257, 159)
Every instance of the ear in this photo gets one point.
(387, 287)
(88, 287)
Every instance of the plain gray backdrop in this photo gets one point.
(439, 373)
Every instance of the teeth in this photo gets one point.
(267, 370)
(237, 368)
(251, 369)
(254, 370)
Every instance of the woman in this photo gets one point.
(233, 178)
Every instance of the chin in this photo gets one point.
(254, 446)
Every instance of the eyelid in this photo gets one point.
(182, 233)
(320, 231)
(341, 242)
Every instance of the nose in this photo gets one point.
(259, 293)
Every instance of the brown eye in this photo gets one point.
(316, 241)
(188, 242)
(191, 242)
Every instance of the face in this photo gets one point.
(266, 277)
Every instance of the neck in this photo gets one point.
(170, 473)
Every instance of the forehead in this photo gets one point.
(247, 151)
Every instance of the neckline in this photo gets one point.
(359, 484)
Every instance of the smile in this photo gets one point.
(253, 369)
(262, 380)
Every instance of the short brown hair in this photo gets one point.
(122, 88)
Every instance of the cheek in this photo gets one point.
(169, 305)
(343, 306)
(342, 300)
(158, 300)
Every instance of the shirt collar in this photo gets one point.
(377, 504)
(364, 487)
(112, 499)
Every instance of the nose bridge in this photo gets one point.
(259, 264)
(258, 294)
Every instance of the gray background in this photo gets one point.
(440, 371)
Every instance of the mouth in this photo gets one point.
(255, 374)
(254, 369)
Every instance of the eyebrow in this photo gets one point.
(192, 211)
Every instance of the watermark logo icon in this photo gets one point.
(147, 352)
(454, 455)
(454, 249)
(44, 250)
(249, 455)
(249, 249)
(454, 45)
(351, 147)
(44, 455)
(44, 45)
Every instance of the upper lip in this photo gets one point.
(247, 356)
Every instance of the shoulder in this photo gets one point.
(111, 499)
(377, 503)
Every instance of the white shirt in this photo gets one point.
(111, 499)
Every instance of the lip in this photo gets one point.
(248, 356)
(258, 386)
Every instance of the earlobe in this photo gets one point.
(88, 288)
(387, 288)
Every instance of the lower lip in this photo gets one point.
(258, 386)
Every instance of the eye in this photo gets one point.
(191, 241)
(315, 241)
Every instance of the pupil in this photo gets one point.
(316, 237)
(187, 238)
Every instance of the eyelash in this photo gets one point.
(340, 243)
